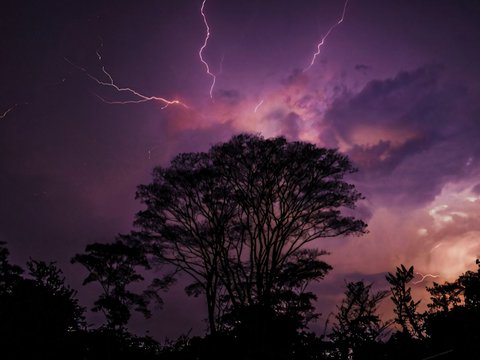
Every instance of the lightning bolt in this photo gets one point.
(258, 106)
(5, 113)
(138, 97)
(97, 52)
(205, 42)
(324, 38)
(424, 277)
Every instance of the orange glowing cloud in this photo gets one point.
(442, 237)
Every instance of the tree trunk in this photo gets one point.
(211, 299)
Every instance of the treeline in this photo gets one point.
(41, 318)
(243, 222)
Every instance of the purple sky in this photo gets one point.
(396, 87)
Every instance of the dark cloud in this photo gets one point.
(230, 97)
(362, 68)
(388, 102)
(408, 134)
(296, 77)
(286, 123)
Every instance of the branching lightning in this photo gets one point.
(424, 277)
(140, 98)
(136, 97)
(205, 42)
(324, 38)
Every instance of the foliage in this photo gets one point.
(38, 313)
(470, 285)
(233, 218)
(9, 274)
(114, 267)
(444, 297)
(405, 308)
(358, 324)
(454, 315)
(40, 318)
(49, 277)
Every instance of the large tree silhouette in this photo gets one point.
(239, 217)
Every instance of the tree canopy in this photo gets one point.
(358, 324)
(114, 267)
(241, 216)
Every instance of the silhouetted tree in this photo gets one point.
(233, 218)
(470, 285)
(405, 308)
(105, 344)
(187, 222)
(39, 315)
(454, 315)
(358, 325)
(114, 267)
(444, 297)
(9, 274)
(273, 331)
(49, 277)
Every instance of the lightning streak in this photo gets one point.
(205, 42)
(424, 277)
(258, 105)
(324, 38)
(7, 111)
(99, 56)
(140, 98)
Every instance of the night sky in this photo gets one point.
(396, 87)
